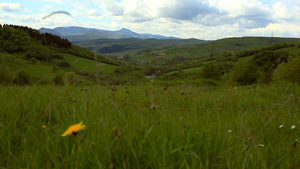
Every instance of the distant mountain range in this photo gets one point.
(74, 33)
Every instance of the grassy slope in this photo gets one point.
(44, 72)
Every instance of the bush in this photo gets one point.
(210, 71)
(58, 79)
(34, 61)
(70, 78)
(289, 72)
(244, 73)
(5, 75)
(22, 78)
(64, 64)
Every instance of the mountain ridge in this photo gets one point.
(76, 33)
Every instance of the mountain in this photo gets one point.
(74, 33)
(53, 32)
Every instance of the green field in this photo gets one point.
(217, 47)
(150, 126)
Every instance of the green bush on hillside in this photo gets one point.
(244, 73)
(34, 61)
(71, 79)
(58, 79)
(210, 71)
(64, 64)
(22, 78)
(289, 72)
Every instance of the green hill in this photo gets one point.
(264, 62)
(212, 48)
(128, 44)
(42, 56)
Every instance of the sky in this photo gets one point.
(201, 19)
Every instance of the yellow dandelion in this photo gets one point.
(44, 126)
(74, 129)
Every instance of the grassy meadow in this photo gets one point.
(150, 126)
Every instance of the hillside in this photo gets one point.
(248, 66)
(211, 48)
(40, 57)
(126, 45)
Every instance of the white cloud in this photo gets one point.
(27, 10)
(10, 7)
(281, 12)
(207, 12)
(47, 8)
(208, 19)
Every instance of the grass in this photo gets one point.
(150, 126)
(87, 65)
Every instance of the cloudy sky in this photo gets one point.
(202, 19)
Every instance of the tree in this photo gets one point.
(244, 73)
(126, 57)
(211, 54)
(210, 71)
(289, 72)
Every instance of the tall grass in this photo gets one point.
(150, 126)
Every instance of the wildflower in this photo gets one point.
(293, 127)
(229, 131)
(44, 126)
(261, 145)
(74, 129)
(280, 126)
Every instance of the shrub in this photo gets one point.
(58, 79)
(210, 71)
(64, 64)
(22, 78)
(34, 61)
(244, 73)
(289, 72)
(70, 78)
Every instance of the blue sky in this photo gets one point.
(202, 19)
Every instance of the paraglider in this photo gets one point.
(57, 12)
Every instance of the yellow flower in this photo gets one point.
(74, 129)
(44, 126)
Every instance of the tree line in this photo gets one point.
(15, 34)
